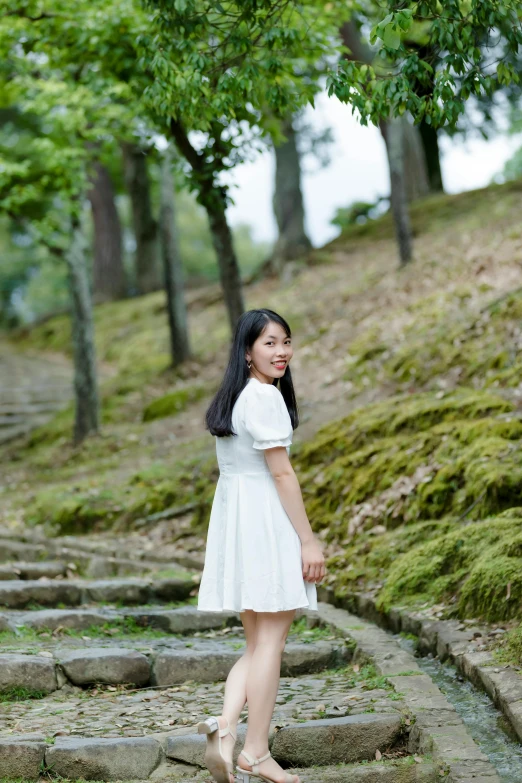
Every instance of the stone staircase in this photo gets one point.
(32, 389)
(106, 678)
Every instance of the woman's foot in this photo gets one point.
(270, 768)
(227, 742)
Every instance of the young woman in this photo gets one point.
(262, 559)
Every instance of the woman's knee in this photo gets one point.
(272, 629)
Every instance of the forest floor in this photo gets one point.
(409, 388)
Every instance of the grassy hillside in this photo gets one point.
(409, 452)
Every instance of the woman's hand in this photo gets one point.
(313, 561)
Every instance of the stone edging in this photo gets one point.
(438, 729)
(450, 640)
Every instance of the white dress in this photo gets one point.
(253, 552)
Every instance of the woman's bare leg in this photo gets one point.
(235, 686)
(262, 685)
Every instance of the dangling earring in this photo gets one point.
(249, 365)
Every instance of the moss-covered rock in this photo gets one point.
(412, 458)
(477, 566)
(173, 403)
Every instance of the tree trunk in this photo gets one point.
(85, 382)
(212, 197)
(172, 266)
(430, 143)
(147, 264)
(288, 205)
(399, 201)
(108, 272)
(392, 133)
(415, 168)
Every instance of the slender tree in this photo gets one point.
(292, 241)
(457, 36)
(172, 266)
(394, 135)
(147, 262)
(87, 416)
(45, 183)
(109, 282)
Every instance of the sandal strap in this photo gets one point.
(248, 757)
(254, 763)
(224, 732)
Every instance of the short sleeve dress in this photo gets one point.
(253, 552)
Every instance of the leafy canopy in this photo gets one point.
(469, 48)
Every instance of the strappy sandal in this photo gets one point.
(244, 775)
(219, 768)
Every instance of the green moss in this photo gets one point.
(94, 504)
(402, 414)
(173, 403)
(509, 647)
(471, 565)
(448, 334)
(394, 486)
(67, 510)
(413, 458)
(59, 426)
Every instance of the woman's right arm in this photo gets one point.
(291, 497)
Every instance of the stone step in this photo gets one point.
(11, 549)
(21, 570)
(114, 664)
(90, 567)
(321, 742)
(183, 620)
(106, 560)
(137, 546)
(15, 419)
(403, 770)
(31, 394)
(17, 594)
(30, 408)
(115, 711)
(177, 756)
(7, 434)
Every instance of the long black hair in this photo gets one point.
(248, 328)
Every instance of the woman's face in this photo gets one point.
(271, 347)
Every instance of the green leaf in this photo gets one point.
(392, 37)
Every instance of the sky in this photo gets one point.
(358, 171)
